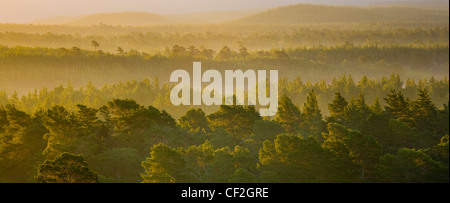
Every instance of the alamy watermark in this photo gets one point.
(259, 88)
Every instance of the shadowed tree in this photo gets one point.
(362, 149)
(243, 52)
(398, 107)
(165, 165)
(411, 166)
(120, 51)
(95, 44)
(312, 123)
(288, 115)
(225, 53)
(75, 51)
(337, 109)
(424, 112)
(66, 168)
(356, 112)
(194, 119)
(236, 120)
(296, 159)
(376, 106)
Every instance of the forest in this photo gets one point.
(404, 140)
(154, 39)
(39, 67)
(363, 98)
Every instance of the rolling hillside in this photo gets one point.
(308, 13)
(124, 19)
(429, 4)
(143, 18)
(294, 14)
(211, 17)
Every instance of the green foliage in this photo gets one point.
(411, 166)
(165, 165)
(199, 163)
(236, 120)
(21, 145)
(221, 138)
(298, 159)
(425, 112)
(263, 130)
(347, 143)
(260, 36)
(225, 54)
(243, 176)
(119, 165)
(376, 106)
(312, 123)
(350, 118)
(398, 107)
(195, 119)
(66, 168)
(356, 112)
(337, 109)
(288, 115)
(86, 68)
(235, 144)
(440, 152)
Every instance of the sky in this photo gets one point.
(22, 11)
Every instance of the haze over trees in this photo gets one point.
(363, 97)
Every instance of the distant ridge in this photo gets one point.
(143, 18)
(308, 13)
(430, 4)
(124, 19)
(294, 14)
(211, 17)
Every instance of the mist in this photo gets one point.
(24, 11)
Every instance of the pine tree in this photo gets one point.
(398, 107)
(237, 120)
(243, 52)
(348, 143)
(165, 165)
(443, 125)
(313, 123)
(376, 106)
(356, 112)
(66, 168)
(337, 108)
(424, 112)
(95, 44)
(194, 119)
(225, 53)
(288, 115)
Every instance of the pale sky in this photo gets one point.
(22, 11)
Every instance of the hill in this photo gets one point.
(211, 17)
(142, 18)
(429, 4)
(124, 19)
(308, 13)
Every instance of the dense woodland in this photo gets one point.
(38, 56)
(24, 68)
(255, 37)
(347, 130)
(360, 100)
(403, 141)
(152, 92)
